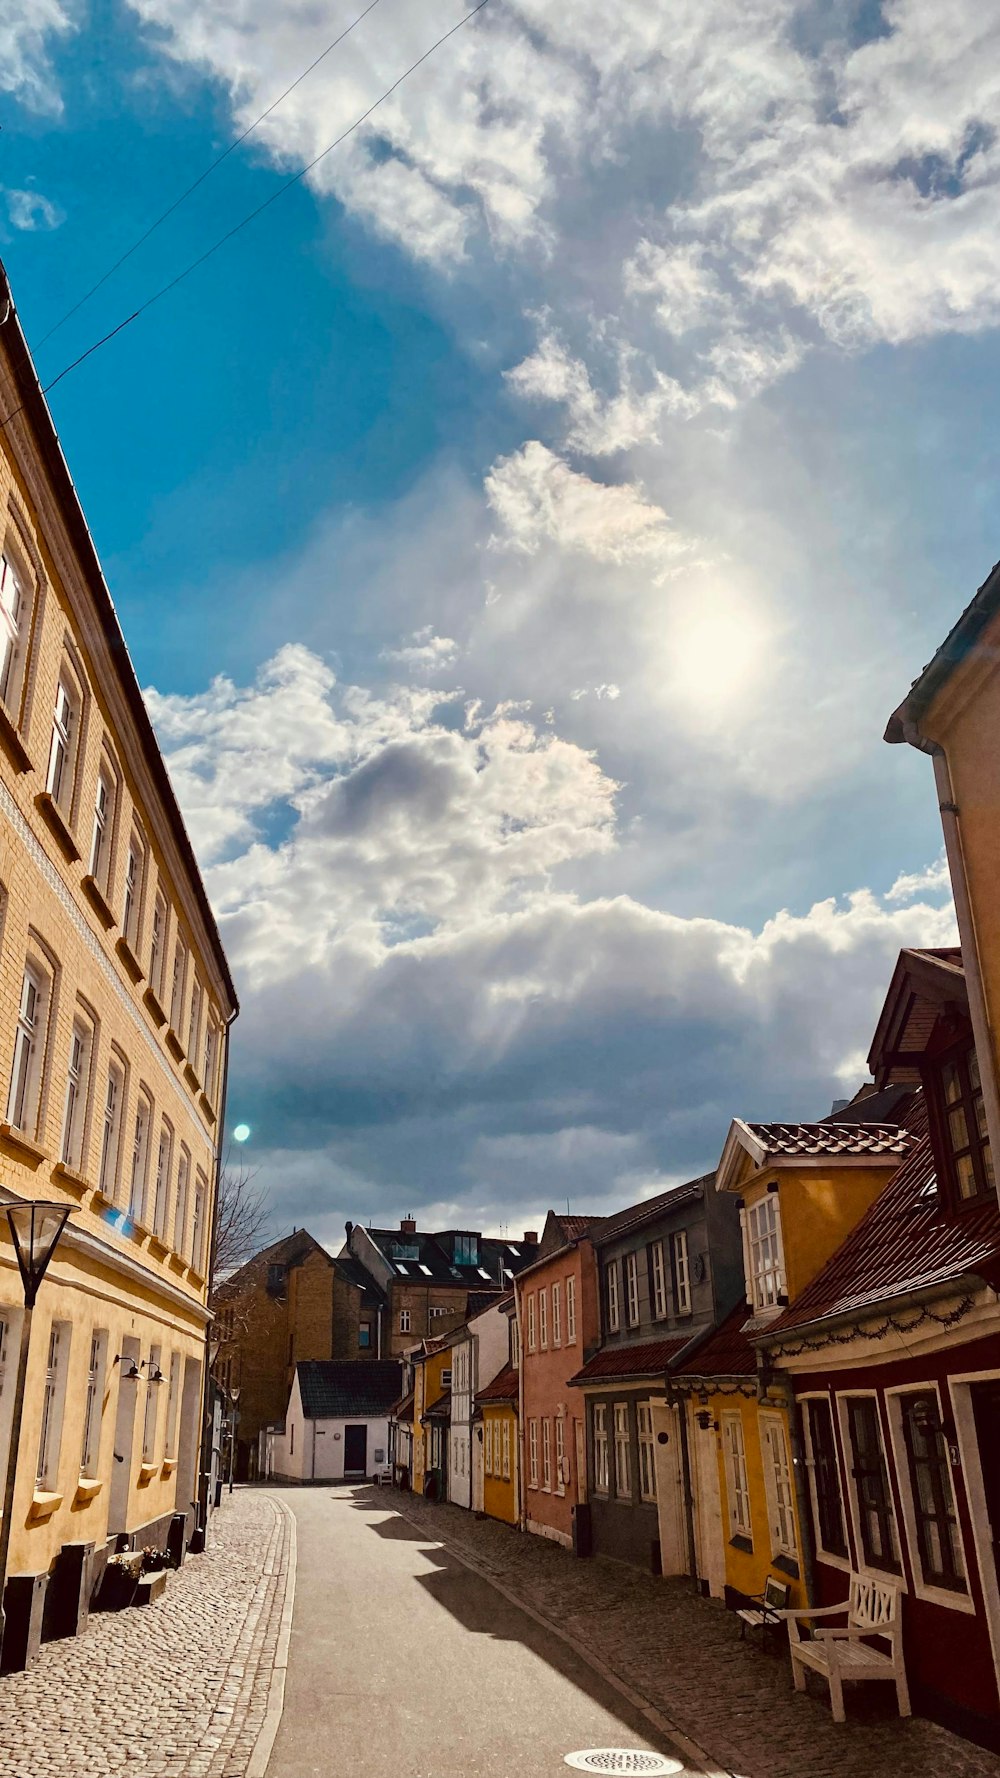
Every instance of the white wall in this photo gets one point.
(313, 1450)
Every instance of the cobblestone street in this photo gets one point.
(177, 1688)
(683, 1656)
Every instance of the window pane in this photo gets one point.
(958, 1129)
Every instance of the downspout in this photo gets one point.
(972, 966)
(679, 1401)
(200, 1533)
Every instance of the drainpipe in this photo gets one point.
(971, 963)
(679, 1401)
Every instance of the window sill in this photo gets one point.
(87, 1489)
(95, 895)
(158, 1248)
(130, 961)
(70, 1178)
(168, 1466)
(43, 1505)
(154, 1008)
(739, 1542)
(196, 1278)
(146, 1473)
(99, 1202)
(54, 819)
(174, 1044)
(786, 1565)
(13, 744)
(191, 1076)
(207, 1107)
(178, 1264)
(138, 1230)
(23, 1146)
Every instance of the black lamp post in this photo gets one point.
(35, 1229)
(234, 1396)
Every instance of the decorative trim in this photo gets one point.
(130, 961)
(16, 751)
(54, 819)
(23, 1146)
(95, 895)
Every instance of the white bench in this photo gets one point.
(872, 1611)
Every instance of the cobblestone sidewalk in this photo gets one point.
(178, 1688)
(683, 1655)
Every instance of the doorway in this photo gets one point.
(355, 1450)
(121, 1463)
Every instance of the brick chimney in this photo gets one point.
(530, 1238)
(407, 1225)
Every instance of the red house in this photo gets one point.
(893, 1355)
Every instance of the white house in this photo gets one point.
(480, 1351)
(337, 1421)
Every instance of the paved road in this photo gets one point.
(403, 1661)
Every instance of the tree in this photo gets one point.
(242, 1215)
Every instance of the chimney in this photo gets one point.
(530, 1238)
(407, 1226)
(349, 1226)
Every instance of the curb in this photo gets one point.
(258, 1762)
(693, 1753)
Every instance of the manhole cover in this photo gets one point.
(622, 1759)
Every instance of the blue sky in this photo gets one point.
(524, 530)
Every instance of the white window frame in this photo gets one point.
(560, 1454)
(570, 1310)
(53, 1403)
(612, 1296)
(151, 1413)
(178, 985)
(158, 943)
(487, 1445)
(779, 1486)
(135, 876)
(547, 1455)
(15, 621)
(77, 1107)
(827, 1556)
(211, 1052)
(102, 837)
(895, 1408)
(557, 1314)
(61, 771)
(681, 1263)
(632, 1289)
(505, 1456)
(623, 1451)
(93, 1413)
(532, 1453)
(139, 1161)
(111, 1128)
(164, 1169)
(737, 1482)
(404, 1321)
(764, 1254)
(181, 1196)
(659, 1271)
(543, 1320)
(531, 1321)
(28, 1066)
(194, 1020)
(599, 1426)
(863, 1565)
(199, 1222)
(647, 1450)
(173, 1406)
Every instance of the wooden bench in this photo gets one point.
(763, 1611)
(872, 1612)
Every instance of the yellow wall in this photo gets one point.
(819, 1207)
(500, 1496)
(749, 1570)
(427, 1389)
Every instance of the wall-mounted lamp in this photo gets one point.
(704, 1419)
(156, 1375)
(133, 1372)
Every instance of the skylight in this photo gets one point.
(402, 1270)
(426, 1270)
(484, 1274)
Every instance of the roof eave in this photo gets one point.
(898, 1299)
(904, 723)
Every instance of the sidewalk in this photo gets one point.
(683, 1657)
(179, 1688)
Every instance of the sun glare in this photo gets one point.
(716, 650)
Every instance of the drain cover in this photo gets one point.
(622, 1759)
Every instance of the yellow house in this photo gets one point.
(115, 1002)
(801, 1189)
(952, 713)
(431, 1391)
(497, 1404)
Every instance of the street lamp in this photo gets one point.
(234, 1396)
(35, 1229)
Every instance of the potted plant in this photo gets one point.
(121, 1578)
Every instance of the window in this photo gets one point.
(515, 1343)
(446, 1379)
(658, 1280)
(873, 1501)
(365, 1335)
(404, 1320)
(547, 1456)
(164, 1156)
(198, 1230)
(737, 1488)
(90, 1455)
(611, 1295)
(964, 1120)
(821, 1461)
(682, 1272)
(560, 1455)
(173, 1404)
(139, 1160)
(211, 1050)
(14, 615)
(194, 1021)
(531, 1322)
(939, 1541)
(632, 1289)
(77, 1092)
(767, 1283)
(623, 1486)
(177, 984)
(104, 814)
(543, 1319)
(59, 778)
(158, 946)
(571, 1311)
(557, 1314)
(533, 1453)
(600, 1429)
(53, 1395)
(181, 1212)
(778, 1485)
(150, 1416)
(505, 1429)
(647, 1451)
(107, 1178)
(488, 1446)
(135, 859)
(29, 1039)
(466, 1252)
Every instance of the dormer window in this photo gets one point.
(967, 1157)
(466, 1250)
(765, 1277)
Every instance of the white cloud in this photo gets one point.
(424, 653)
(25, 45)
(539, 499)
(935, 880)
(31, 212)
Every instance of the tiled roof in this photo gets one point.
(650, 1360)
(290, 1250)
(504, 1387)
(365, 1388)
(421, 1258)
(726, 1352)
(573, 1227)
(830, 1139)
(441, 1409)
(637, 1215)
(892, 1105)
(907, 1241)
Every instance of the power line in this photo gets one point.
(169, 211)
(252, 215)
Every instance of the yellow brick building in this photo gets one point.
(115, 1004)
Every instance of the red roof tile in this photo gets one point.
(726, 1352)
(831, 1138)
(504, 1387)
(650, 1360)
(906, 1241)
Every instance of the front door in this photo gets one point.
(355, 1450)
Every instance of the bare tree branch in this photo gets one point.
(242, 1216)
